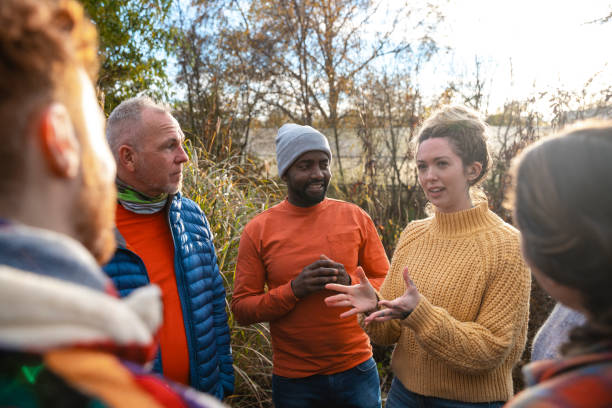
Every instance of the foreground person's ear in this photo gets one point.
(58, 141)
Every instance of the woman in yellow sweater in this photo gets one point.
(456, 299)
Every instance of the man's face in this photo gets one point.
(94, 210)
(307, 179)
(159, 154)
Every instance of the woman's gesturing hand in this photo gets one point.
(400, 307)
(361, 297)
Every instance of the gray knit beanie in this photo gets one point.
(294, 140)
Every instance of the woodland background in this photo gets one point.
(233, 71)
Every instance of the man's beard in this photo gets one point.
(310, 199)
(94, 211)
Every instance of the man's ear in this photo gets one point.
(58, 140)
(127, 157)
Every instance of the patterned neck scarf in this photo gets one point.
(137, 202)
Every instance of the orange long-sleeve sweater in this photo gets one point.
(307, 336)
(469, 328)
(149, 236)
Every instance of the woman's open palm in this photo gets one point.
(361, 297)
(400, 307)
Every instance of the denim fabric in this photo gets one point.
(400, 397)
(357, 387)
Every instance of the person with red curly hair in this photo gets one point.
(66, 339)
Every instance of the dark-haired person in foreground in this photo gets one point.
(66, 339)
(563, 207)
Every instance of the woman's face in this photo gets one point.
(443, 177)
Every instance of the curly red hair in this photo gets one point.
(43, 45)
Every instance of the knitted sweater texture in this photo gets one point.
(470, 326)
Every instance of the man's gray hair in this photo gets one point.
(123, 124)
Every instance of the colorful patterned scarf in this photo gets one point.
(137, 202)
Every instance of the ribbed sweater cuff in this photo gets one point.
(421, 317)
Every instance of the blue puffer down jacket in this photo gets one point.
(201, 291)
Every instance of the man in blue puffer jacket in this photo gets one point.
(165, 239)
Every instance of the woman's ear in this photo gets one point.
(473, 171)
(58, 141)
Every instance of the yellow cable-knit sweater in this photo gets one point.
(469, 328)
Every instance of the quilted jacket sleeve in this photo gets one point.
(222, 334)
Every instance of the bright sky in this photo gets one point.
(548, 42)
(545, 44)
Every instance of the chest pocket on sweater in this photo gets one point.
(344, 248)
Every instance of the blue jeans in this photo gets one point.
(357, 387)
(400, 397)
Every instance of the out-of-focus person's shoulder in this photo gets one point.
(581, 382)
(532, 397)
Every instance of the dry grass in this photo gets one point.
(231, 193)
